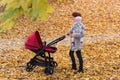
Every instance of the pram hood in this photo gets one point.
(34, 41)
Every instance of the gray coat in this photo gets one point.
(78, 30)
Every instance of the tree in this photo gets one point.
(14, 8)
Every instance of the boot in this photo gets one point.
(74, 67)
(80, 70)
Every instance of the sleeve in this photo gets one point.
(71, 30)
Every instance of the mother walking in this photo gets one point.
(76, 34)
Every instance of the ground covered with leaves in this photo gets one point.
(101, 57)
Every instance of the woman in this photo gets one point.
(76, 34)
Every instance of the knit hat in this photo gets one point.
(75, 14)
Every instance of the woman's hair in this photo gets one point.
(75, 14)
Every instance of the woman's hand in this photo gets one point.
(70, 34)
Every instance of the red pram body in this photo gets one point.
(35, 44)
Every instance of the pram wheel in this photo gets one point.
(54, 64)
(49, 70)
(30, 67)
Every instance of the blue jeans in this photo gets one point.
(79, 56)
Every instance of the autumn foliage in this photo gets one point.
(101, 56)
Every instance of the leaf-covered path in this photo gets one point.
(17, 44)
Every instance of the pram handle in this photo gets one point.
(56, 40)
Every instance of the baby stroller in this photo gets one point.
(43, 53)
